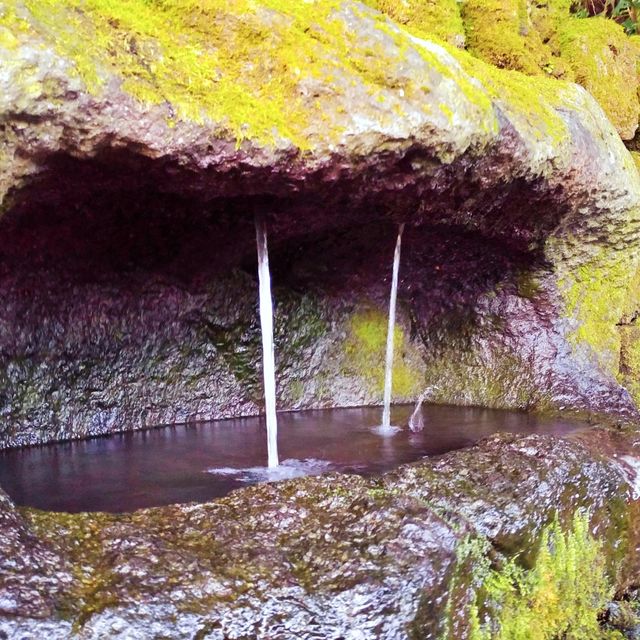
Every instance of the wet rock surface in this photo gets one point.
(333, 556)
(128, 269)
(32, 575)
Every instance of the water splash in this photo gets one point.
(416, 421)
(266, 324)
(387, 431)
(289, 469)
(388, 367)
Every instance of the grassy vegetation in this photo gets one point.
(559, 598)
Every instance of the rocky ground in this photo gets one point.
(337, 556)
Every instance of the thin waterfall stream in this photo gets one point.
(388, 370)
(268, 358)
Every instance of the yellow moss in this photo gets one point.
(545, 38)
(501, 33)
(93, 587)
(595, 294)
(240, 63)
(365, 350)
(631, 308)
(501, 379)
(447, 70)
(636, 159)
(11, 25)
(247, 65)
(425, 18)
(198, 56)
(604, 61)
(531, 102)
(7, 39)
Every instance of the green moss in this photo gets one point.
(365, 351)
(561, 596)
(604, 61)
(426, 18)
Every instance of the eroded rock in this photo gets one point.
(331, 556)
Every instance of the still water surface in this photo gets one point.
(198, 462)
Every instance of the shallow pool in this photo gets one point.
(198, 462)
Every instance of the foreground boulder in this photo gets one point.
(136, 145)
(408, 555)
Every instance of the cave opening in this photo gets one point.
(130, 290)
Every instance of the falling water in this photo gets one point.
(416, 421)
(386, 412)
(266, 323)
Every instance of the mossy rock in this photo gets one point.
(563, 594)
(501, 33)
(605, 62)
(426, 18)
(364, 356)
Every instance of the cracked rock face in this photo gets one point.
(127, 266)
(332, 556)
